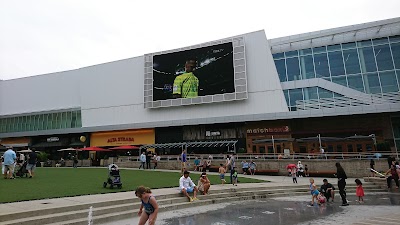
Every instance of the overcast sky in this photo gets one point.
(45, 36)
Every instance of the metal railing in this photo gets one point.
(359, 100)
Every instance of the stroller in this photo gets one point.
(21, 170)
(114, 179)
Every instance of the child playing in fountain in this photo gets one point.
(314, 192)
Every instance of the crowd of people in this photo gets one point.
(17, 164)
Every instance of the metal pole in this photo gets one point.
(273, 144)
(319, 140)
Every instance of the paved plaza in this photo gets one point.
(283, 210)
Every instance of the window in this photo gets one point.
(310, 93)
(281, 68)
(340, 80)
(372, 85)
(292, 53)
(295, 95)
(379, 41)
(349, 45)
(306, 51)
(336, 63)
(334, 47)
(349, 148)
(293, 70)
(367, 59)
(307, 67)
(351, 61)
(388, 81)
(321, 65)
(339, 148)
(383, 57)
(323, 93)
(278, 55)
(365, 43)
(395, 38)
(396, 54)
(355, 82)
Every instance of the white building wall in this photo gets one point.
(40, 93)
(116, 96)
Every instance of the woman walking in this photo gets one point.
(341, 175)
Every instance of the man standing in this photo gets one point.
(149, 154)
(183, 161)
(233, 166)
(32, 159)
(341, 175)
(328, 190)
(187, 186)
(9, 160)
(186, 85)
(142, 160)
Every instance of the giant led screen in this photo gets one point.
(192, 73)
(206, 73)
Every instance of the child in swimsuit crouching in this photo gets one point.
(149, 204)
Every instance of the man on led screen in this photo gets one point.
(186, 85)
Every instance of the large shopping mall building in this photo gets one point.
(336, 88)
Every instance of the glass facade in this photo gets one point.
(46, 121)
(370, 66)
(309, 93)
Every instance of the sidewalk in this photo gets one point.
(17, 207)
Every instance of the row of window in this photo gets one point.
(308, 93)
(343, 62)
(47, 121)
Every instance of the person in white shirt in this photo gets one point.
(142, 160)
(187, 186)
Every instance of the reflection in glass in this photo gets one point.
(349, 45)
(351, 61)
(293, 70)
(310, 93)
(383, 57)
(306, 51)
(292, 53)
(280, 67)
(321, 65)
(367, 59)
(295, 94)
(307, 67)
(336, 63)
(323, 93)
(278, 55)
(371, 81)
(379, 41)
(388, 81)
(340, 80)
(396, 54)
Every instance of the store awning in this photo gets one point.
(277, 140)
(192, 144)
(323, 139)
(49, 144)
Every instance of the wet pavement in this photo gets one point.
(278, 211)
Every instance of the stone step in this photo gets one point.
(79, 212)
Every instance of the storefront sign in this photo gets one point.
(120, 139)
(212, 133)
(265, 130)
(53, 139)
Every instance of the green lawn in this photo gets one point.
(62, 182)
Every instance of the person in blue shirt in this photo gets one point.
(196, 164)
(245, 166)
(9, 160)
(183, 161)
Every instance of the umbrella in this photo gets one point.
(25, 151)
(290, 166)
(125, 147)
(93, 148)
(68, 149)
